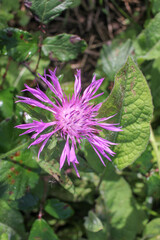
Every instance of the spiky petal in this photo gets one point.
(75, 119)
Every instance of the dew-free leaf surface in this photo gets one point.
(18, 44)
(131, 100)
(63, 47)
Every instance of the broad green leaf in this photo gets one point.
(46, 11)
(7, 233)
(124, 218)
(147, 44)
(131, 100)
(152, 230)
(112, 58)
(11, 218)
(18, 44)
(57, 209)
(42, 231)
(93, 223)
(153, 185)
(63, 47)
(19, 173)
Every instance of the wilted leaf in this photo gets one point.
(57, 209)
(42, 231)
(63, 47)
(18, 44)
(131, 100)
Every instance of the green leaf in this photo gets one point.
(155, 6)
(153, 185)
(93, 223)
(9, 135)
(147, 44)
(124, 218)
(152, 230)
(63, 47)
(18, 44)
(131, 100)
(6, 103)
(7, 233)
(11, 218)
(112, 58)
(19, 173)
(46, 11)
(42, 231)
(143, 164)
(49, 161)
(57, 209)
(154, 83)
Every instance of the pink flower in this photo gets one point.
(74, 119)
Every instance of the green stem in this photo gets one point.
(155, 147)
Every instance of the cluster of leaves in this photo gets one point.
(37, 200)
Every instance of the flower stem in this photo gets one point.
(155, 147)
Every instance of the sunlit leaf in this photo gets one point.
(131, 100)
(18, 44)
(112, 58)
(93, 223)
(41, 230)
(147, 44)
(46, 11)
(63, 47)
(152, 230)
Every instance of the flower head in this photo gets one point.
(74, 118)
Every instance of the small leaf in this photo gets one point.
(147, 45)
(57, 209)
(18, 44)
(42, 231)
(112, 58)
(46, 11)
(93, 223)
(131, 100)
(63, 47)
(152, 230)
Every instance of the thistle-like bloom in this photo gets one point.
(74, 119)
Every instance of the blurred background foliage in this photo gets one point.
(37, 201)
